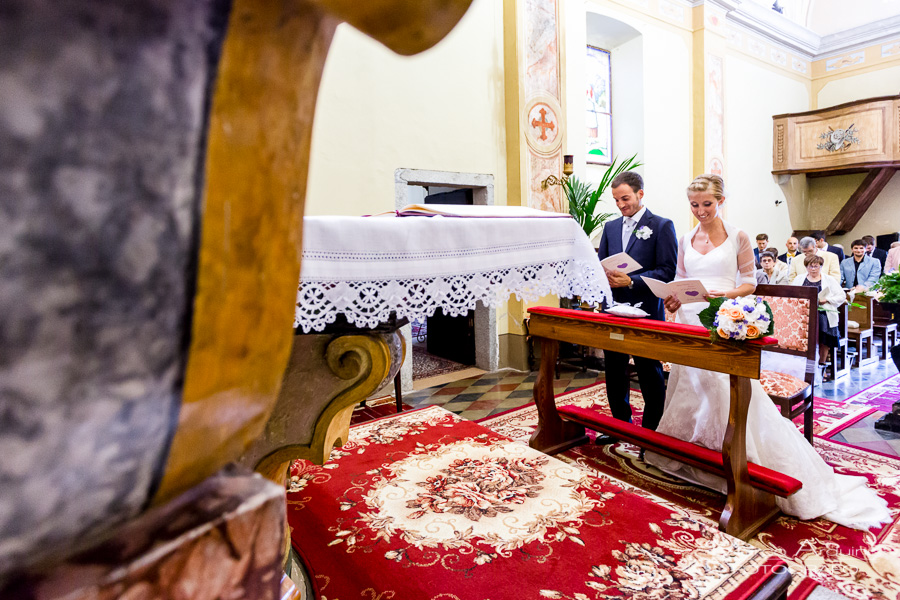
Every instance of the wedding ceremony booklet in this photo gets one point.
(470, 211)
(620, 262)
(686, 290)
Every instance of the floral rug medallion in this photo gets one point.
(424, 505)
(464, 492)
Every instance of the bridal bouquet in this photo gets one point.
(743, 318)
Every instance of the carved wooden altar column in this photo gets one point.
(153, 176)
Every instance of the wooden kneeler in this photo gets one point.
(750, 503)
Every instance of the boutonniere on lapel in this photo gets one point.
(643, 233)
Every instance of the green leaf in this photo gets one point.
(584, 198)
(771, 329)
(889, 285)
(708, 315)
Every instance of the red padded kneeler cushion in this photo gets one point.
(761, 477)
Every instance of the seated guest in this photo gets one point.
(892, 263)
(808, 247)
(779, 264)
(791, 252)
(859, 272)
(874, 252)
(821, 244)
(762, 242)
(830, 297)
(772, 271)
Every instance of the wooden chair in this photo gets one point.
(841, 359)
(863, 335)
(884, 328)
(795, 309)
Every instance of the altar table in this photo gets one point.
(365, 268)
(363, 276)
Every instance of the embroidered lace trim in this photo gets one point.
(368, 303)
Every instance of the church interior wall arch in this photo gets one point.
(651, 100)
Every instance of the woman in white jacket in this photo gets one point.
(831, 296)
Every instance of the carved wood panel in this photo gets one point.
(858, 134)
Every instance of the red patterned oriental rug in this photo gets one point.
(859, 565)
(829, 416)
(426, 506)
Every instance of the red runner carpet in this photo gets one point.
(426, 506)
(853, 563)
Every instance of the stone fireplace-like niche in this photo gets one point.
(408, 188)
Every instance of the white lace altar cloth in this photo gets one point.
(367, 267)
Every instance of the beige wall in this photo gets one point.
(441, 110)
(829, 194)
(872, 84)
(882, 217)
(753, 93)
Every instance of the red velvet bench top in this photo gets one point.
(648, 324)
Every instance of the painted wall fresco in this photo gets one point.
(544, 126)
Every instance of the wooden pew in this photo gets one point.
(841, 359)
(884, 328)
(863, 335)
(750, 502)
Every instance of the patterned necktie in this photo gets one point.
(627, 228)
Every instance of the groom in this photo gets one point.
(650, 240)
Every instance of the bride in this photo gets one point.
(697, 401)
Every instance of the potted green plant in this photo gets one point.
(889, 286)
(584, 198)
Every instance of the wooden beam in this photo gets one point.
(860, 201)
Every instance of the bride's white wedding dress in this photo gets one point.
(697, 403)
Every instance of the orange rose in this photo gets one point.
(736, 314)
(722, 333)
(753, 332)
(723, 312)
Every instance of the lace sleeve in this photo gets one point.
(680, 272)
(746, 262)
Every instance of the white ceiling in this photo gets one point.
(833, 16)
(826, 17)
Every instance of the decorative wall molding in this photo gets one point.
(860, 37)
(771, 26)
(856, 58)
(671, 10)
(799, 40)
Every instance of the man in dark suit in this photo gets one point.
(874, 252)
(821, 244)
(650, 240)
(762, 242)
(791, 252)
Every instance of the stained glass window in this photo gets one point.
(599, 112)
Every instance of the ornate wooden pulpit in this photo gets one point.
(856, 137)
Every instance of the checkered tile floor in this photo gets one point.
(493, 393)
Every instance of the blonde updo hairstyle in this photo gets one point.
(713, 184)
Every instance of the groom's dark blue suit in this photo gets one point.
(658, 255)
